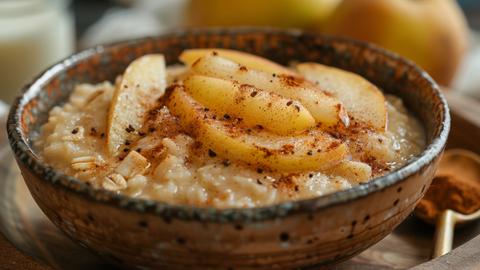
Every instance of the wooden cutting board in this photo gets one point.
(43, 246)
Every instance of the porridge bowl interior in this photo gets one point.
(232, 161)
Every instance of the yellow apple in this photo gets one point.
(432, 33)
(280, 13)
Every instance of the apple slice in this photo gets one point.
(325, 109)
(189, 57)
(351, 170)
(143, 82)
(364, 102)
(312, 151)
(255, 107)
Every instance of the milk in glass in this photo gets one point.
(33, 35)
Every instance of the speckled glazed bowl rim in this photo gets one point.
(26, 155)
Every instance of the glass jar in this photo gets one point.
(33, 35)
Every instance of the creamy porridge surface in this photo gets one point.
(166, 163)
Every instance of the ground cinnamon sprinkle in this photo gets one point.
(449, 191)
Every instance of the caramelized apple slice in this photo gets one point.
(189, 57)
(352, 170)
(255, 107)
(313, 151)
(325, 109)
(143, 82)
(364, 102)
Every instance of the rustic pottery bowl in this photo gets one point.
(301, 234)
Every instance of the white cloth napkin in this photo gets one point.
(3, 109)
(144, 18)
(3, 131)
(468, 80)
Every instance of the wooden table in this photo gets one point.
(12, 258)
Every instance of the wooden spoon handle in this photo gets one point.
(444, 233)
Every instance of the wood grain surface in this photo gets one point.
(24, 225)
(465, 257)
(12, 258)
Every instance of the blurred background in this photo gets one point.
(439, 35)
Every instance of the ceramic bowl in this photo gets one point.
(301, 234)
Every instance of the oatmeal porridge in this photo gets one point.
(229, 129)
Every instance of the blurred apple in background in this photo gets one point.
(432, 33)
(279, 13)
